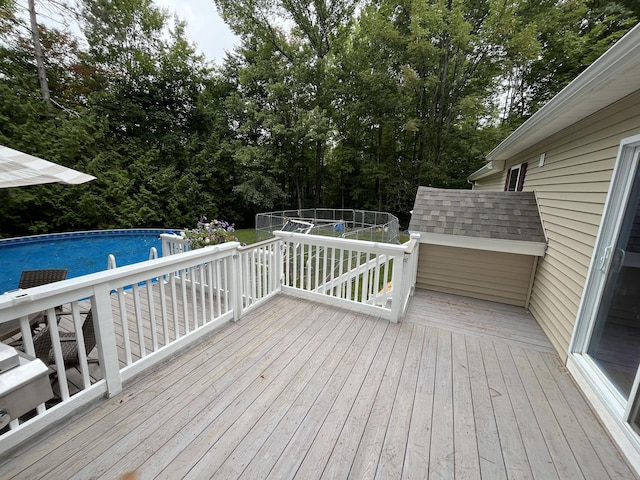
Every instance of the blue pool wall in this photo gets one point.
(80, 253)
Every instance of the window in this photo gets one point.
(515, 178)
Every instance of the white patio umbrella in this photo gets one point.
(18, 169)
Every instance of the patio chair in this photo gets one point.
(69, 343)
(29, 279)
(43, 346)
(35, 278)
(70, 352)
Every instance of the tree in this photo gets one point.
(569, 36)
(414, 89)
(304, 34)
(152, 82)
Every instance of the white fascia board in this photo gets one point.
(592, 90)
(489, 244)
(487, 169)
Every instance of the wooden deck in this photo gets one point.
(461, 389)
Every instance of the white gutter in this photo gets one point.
(492, 167)
(612, 77)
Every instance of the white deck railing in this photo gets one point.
(369, 276)
(374, 277)
(146, 312)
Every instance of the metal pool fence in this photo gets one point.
(365, 225)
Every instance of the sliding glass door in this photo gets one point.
(607, 339)
(615, 340)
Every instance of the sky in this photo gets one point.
(205, 28)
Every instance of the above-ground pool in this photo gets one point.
(80, 253)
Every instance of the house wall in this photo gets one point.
(494, 276)
(571, 187)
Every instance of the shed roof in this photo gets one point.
(486, 220)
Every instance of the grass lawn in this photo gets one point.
(246, 235)
(249, 236)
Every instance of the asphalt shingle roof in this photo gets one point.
(477, 213)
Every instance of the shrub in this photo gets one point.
(209, 233)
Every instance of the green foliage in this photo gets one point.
(564, 38)
(211, 233)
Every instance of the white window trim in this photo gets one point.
(517, 167)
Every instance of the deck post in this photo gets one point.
(415, 255)
(106, 338)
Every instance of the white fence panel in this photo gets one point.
(369, 276)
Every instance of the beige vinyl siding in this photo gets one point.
(494, 276)
(571, 189)
(494, 182)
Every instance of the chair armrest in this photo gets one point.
(68, 339)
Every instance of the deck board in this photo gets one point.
(441, 457)
(538, 453)
(302, 390)
(395, 440)
(490, 452)
(511, 442)
(378, 423)
(467, 462)
(417, 456)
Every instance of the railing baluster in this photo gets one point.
(185, 304)
(124, 324)
(260, 259)
(219, 266)
(203, 298)
(246, 277)
(255, 274)
(163, 309)
(308, 266)
(152, 316)
(376, 281)
(61, 372)
(138, 316)
(235, 288)
(174, 305)
(384, 278)
(210, 267)
(364, 297)
(324, 270)
(267, 270)
(82, 352)
(350, 277)
(194, 294)
(317, 275)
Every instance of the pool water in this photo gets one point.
(80, 253)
